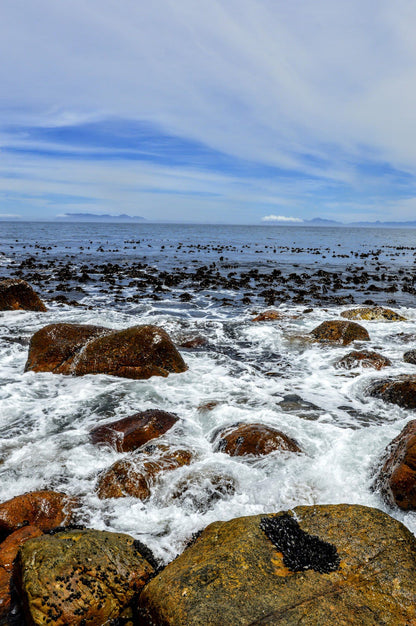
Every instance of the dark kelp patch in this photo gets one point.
(300, 550)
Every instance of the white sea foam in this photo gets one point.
(250, 372)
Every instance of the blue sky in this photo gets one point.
(209, 111)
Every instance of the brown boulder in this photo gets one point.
(44, 509)
(377, 313)
(17, 294)
(397, 477)
(8, 552)
(193, 342)
(268, 316)
(257, 439)
(80, 577)
(133, 432)
(365, 358)
(135, 476)
(138, 352)
(400, 390)
(339, 332)
(342, 564)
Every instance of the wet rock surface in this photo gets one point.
(376, 313)
(44, 509)
(397, 477)
(17, 294)
(135, 476)
(133, 432)
(400, 390)
(73, 349)
(339, 332)
(410, 357)
(199, 489)
(268, 316)
(364, 358)
(80, 577)
(235, 574)
(256, 439)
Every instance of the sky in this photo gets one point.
(236, 111)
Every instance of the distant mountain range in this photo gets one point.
(96, 217)
(319, 221)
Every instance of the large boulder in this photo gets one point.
(138, 352)
(397, 477)
(342, 564)
(258, 439)
(17, 294)
(400, 390)
(133, 432)
(135, 476)
(339, 332)
(8, 552)
(44, 509)
(365, 358)
(377, 313)
(80, 577)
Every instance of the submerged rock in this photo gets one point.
(410, 357)
(365, 358)
(257, 439)
(138, 352)
(133, 432)
(80, 577)
(199, 489)
(339, 332)
(397, 477)
(44, 509)
(135, 476)
(17, 294)
(344, 564)
(400, 390)
(373, 313)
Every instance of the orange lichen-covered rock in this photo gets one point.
(135, 476)
(44, 509)
(80, 577)
(133, 432)
(257, 439)
(332, 564)
(376, 313)
(17, 294)
(397, 477)
(339, 332)
(268, 316)
(138, 352)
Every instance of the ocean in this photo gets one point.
(209, 282)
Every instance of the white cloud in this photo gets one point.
(280, 218)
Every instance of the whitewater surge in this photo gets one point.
(247, 372)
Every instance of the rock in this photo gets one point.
(258, 439)
(191, 343)
(133, 432)
(268, 316)
(400, 390)
(138, 352)
(201, 488)
(8, 552)
(397, 477)
(135, 476)
(44, 509)
(365, 358)
(410, 357)
(16, 294)
(339, 564)
(339, 332)
(80, 577)
(377, 313)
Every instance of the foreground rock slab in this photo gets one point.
(397, 477)
(343, 564)
(376, 313)
(80, 577)
(16, 294)
(400, 390)
(44, 509)
(74, 349)
(339, 332)
(257, 439)
(133, 432)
